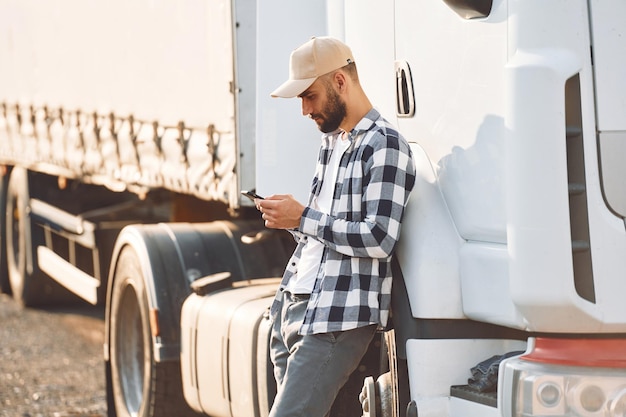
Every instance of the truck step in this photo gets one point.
(468, 393)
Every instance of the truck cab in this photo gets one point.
(514, 233)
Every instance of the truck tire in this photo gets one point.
(5, 285)
(29, 286)
(141, 387)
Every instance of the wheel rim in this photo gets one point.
(130, 350)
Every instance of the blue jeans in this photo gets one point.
(310, 370)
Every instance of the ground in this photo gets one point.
(51, 361)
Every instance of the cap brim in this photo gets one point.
(293, 88)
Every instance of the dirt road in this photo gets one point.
(51, 361)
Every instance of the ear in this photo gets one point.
(341, 81)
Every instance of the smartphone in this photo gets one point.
(251, 195)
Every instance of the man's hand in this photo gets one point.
(280, 211)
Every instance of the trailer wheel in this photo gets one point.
(140, 386)
(28, 284)
(5, 285)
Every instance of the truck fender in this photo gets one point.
(173, 255)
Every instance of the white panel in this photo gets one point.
(485, 284)
(608, 24)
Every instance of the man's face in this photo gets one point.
(324, 105)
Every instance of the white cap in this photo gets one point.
(317, 57)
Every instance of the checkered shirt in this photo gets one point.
(353, 286)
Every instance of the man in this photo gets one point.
(336, 289)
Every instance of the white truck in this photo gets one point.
(127, 130)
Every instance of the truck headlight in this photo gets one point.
(539, 388)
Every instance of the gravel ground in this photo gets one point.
(51, 361)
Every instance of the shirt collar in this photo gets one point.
(366, 122)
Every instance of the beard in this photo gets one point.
(330, 119)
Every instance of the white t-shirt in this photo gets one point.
(311, 259)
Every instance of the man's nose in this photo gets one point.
(306, 110)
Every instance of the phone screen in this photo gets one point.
(251, 195)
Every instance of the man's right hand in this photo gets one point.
(280, 211)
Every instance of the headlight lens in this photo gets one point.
(549, 394)
(618, 405)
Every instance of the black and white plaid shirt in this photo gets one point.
(376, 175)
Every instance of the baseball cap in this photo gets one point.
(319, 56)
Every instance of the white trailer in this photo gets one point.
(128, 129)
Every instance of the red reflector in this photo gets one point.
(604, 353)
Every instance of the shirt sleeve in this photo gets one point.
(387, 179)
